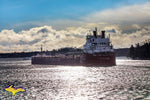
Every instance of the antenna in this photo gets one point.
(41, 50)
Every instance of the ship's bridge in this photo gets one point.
(97, 43)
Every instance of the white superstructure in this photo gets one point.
(97, 43)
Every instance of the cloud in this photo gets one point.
(31, 40)
(120, 39)
(127, 25)
(126, 15)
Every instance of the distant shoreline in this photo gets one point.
(65, 51)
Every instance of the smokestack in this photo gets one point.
(103, 34)
(95, 32)
(96, 29)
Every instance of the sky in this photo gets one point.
(26, 24)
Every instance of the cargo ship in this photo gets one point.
(97, 51)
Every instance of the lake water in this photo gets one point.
(128, 80)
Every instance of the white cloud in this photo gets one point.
(125, 15)
(127, 39)
(127, 25)
(31, 40)
(138, 14)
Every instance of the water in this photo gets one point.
(129, 80)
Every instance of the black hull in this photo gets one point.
(99, 59)
(56, 61)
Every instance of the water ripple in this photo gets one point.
(129, 80)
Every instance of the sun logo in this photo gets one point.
(14, 90)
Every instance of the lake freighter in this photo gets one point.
(97, 51)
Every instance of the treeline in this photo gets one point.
(66, 51)
(17, 54)
(140, 51)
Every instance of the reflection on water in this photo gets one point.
(128, 80)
